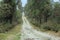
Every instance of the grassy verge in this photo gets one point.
(13, 34)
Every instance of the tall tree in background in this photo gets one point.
(56, 14)
(38, 10)
(10, 9)
(9, 14)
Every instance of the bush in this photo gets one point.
(51, 27)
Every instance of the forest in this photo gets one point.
(37, 20)
(10, 14)
(44, 14)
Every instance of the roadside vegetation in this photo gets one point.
(10, 19)
(13, 34)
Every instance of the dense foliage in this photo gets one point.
(9, 14)
(43, 14)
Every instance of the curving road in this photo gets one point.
(28, 33)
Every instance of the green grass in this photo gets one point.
(12, 34)
(17, 37)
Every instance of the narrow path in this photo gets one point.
(28, 33)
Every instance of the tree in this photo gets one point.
(56, 14)
(9, 14)
(38, 10)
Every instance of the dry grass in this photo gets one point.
(13, 32)
(47, 31)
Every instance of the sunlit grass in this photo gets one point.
(13, 33)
